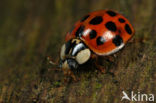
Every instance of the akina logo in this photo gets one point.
(137, 96)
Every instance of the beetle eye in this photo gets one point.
(83, 56)
(62, 53)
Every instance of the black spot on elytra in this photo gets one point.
(111, 13)
(117, 40)
(121, 20)
(128, 29)
(84, 18)
(79, 31)
(111, 26)
(100, 40)
(93, 34)
(96, 20)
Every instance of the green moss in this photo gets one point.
(94, 97)
(57, 84)
(98, 85)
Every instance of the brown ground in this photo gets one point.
(31, 30)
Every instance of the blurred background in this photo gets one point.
(30, 30)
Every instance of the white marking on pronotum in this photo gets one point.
(83, 56)
(62, 53)
(86, 32)
(76, 48)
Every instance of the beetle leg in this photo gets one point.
(101, 68)
(50, 69)
(69, 73)
(110, 58)
(93, 56)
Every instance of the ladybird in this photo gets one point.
(99, 33)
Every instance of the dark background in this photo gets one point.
(30, 30)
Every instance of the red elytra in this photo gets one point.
(104, 31)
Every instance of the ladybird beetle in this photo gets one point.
(99, 33)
